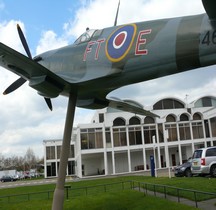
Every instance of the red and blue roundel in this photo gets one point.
(119, 42)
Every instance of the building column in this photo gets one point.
(204, 133)
(129, 161)
(210, 131)
(178, 134)
(144, 159)
(159, 154)
(158, 148)
(113, 153)
(78, 155)
(105, 163)
(128, 149)
(105, 150)
(56, 164)
(192, 138)
(113, 161)
(78, 165)
(143, 144)
(166, 148)
(180, 153)
(45, 161)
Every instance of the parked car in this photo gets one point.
(204, 162)
(7, 179)
(184, 169)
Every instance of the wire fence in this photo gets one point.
(145, 188)
(178, 193)
(70, 192)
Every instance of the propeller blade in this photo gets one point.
(23, 40)
(49, 103)
(19, 82)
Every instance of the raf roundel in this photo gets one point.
(119, 42)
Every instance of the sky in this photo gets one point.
(25, 120)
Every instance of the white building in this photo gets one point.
(122, 142)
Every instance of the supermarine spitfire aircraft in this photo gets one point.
(101, 61)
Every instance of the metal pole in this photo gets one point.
(58, 197)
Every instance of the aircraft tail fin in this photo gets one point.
(210, 8)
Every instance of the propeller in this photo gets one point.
(49, 103)
(19, 82)
(23, 40)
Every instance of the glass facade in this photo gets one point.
(184, 131)
(53, 157)
(149, 132)
(168, 104)
(91, 138)
(213, 126)
(119, 137)
(141, 134)
(197, 130)
(135, 136)
(54, 152)
(125, 142)
(50, 153)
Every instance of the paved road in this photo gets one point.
(26, 183)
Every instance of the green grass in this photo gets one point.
(192, 183)
(124, 200)
(109, 197)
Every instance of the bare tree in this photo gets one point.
(20, 163)
(30, 158)
(1, 161)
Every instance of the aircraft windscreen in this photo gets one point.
(86, 36)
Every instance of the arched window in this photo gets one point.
(134, 121)
(196, 116)
(170, 125)
(184, 117)
(205, 102)
(119, 122)
(149, 120)
(168, 103)
(184, 128)
(170, 118)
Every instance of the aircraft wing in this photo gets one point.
(129, 106)
(40, 78)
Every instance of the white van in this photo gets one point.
(204, 161)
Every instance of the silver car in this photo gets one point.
(204, 161)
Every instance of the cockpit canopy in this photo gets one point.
(87, 35)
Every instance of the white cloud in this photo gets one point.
(25, 119)
(101, 13)
(50, 41)
(9, 34)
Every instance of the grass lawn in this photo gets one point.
(123, 200)
(110, 197)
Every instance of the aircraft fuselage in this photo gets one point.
(131, 53)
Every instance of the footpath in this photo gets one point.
(204, 205)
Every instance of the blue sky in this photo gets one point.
(25, 120)
(39, 16)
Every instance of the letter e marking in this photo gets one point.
(141, 41)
